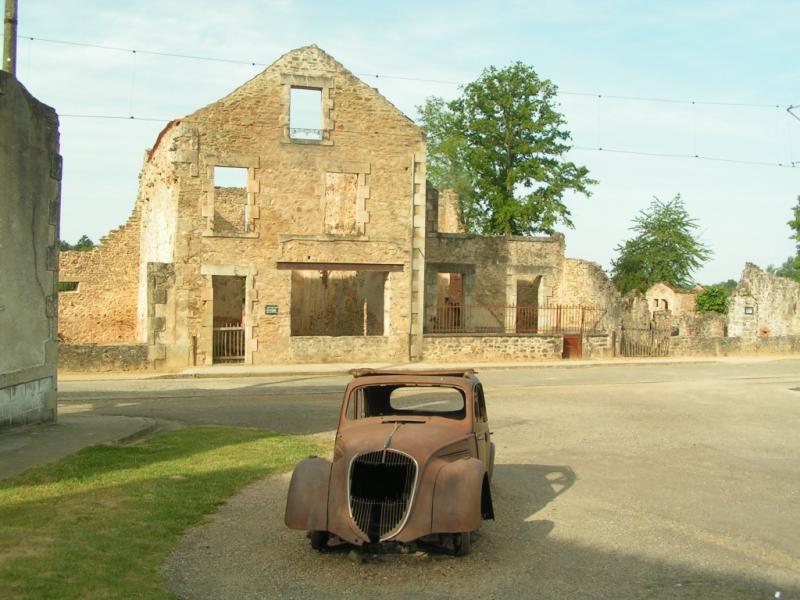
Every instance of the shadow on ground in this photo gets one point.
(517, 556)
(279, 408)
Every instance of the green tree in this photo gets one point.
(84, 243)
(501, 146)
(794, 224)
(713, 299)
(791, 266)
(666, 248)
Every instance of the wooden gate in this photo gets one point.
(646, 341)
(228, 343)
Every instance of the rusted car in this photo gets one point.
(412, 461)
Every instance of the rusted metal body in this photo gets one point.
(413, 458)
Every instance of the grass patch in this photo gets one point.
(100, 523)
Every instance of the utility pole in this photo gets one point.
(10, 38)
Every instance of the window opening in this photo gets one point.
(338, 303)
(67, 286)
(305, 114)
(231, 212)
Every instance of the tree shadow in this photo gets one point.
(100, 460)
(275, 407)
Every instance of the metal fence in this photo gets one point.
(503, 319)
(228, 342)
(645, 341)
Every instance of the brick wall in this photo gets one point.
(103, 308)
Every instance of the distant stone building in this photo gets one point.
(291, 221)
(662, 296)
(30, 172)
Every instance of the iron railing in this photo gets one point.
(521, 318)
(645, 341)
(301, 133)
(228, 342)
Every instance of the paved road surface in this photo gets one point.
(668, 481)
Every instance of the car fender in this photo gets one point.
(307, 501)
(457, 497)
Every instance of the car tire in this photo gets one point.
(462, 543)
(319, 539)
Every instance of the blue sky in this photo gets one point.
(733, 51)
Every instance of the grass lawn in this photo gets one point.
(100, 523)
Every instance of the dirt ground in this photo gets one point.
(667, 481)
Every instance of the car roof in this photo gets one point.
(410, 374)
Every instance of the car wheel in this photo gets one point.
(462, 543)
(319, 539)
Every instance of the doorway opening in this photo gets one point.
(229, 301)
(527, 307)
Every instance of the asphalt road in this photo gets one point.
(666, 481)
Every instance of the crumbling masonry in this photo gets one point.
(326, 244)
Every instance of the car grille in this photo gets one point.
(381, 490)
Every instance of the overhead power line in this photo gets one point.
(254, 63)
(760, 163)
(119, 117)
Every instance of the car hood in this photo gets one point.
(420, 439)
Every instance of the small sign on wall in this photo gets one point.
(748, 310)
(270, 309)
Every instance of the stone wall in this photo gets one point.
(764, 305)
(599, 345)
(356, 195)
(584, 282)
(734, 346)
(475, 348)
(30, 175)
(492, 267)
(98, 358)
(663, 297)
(709, 325)
(102, 310)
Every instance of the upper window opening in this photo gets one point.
(305, 114)
(230, 177)
(231, 211)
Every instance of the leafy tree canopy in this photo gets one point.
(500, 145)
(794, 224)
(791, 266)
(713, 299)
(84, 243)
(665, 248)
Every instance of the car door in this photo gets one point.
(481, 428)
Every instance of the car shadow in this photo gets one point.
(519, 492)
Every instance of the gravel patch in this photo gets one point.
(247, 552)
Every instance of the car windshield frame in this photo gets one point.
(373, 400)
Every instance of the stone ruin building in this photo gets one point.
(291, 221)
(662, 296)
